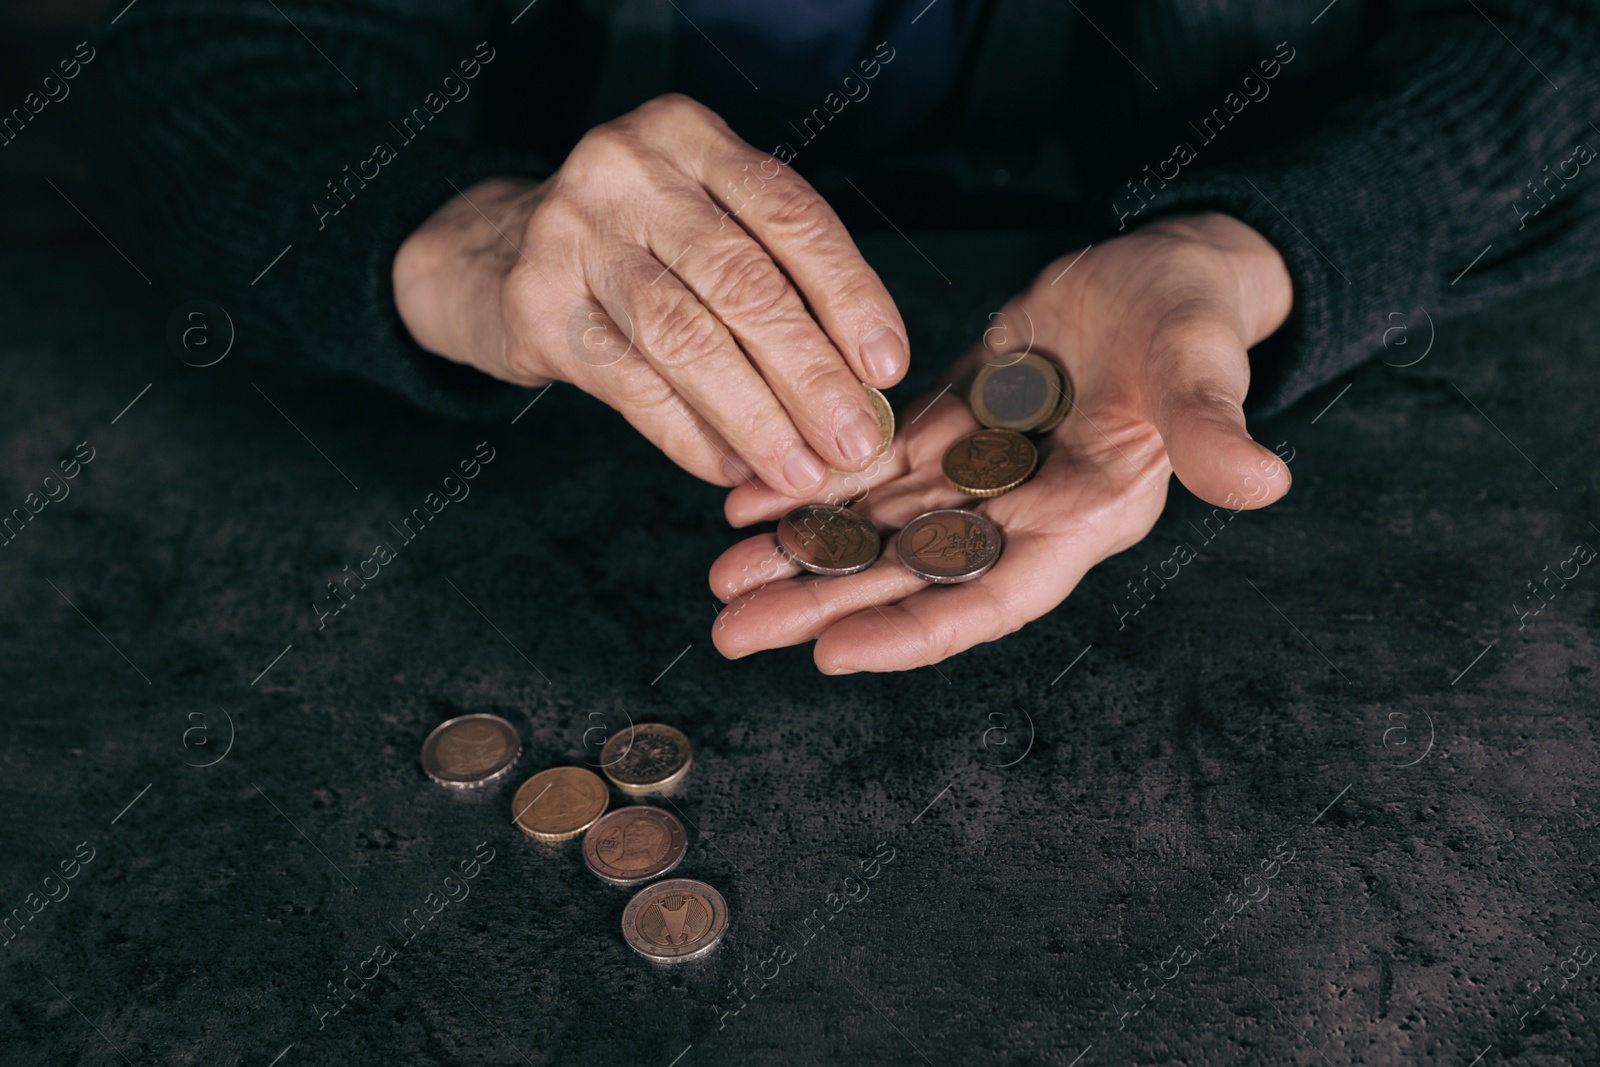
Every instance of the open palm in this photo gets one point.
(1153, 330)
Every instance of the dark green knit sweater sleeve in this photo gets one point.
(1455, 179)
(272, 156)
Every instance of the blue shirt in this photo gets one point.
(822, 77)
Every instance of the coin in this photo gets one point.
(1063, 405)
(885, 413)
(678, 919)
(469, 750)
(647, 757)
(560, 803)
(986, 463)
(632, 845)
(1029, 395)
(827, 539)
(949, 546)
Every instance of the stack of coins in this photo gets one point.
(668, 921)
(1026, 395)
(1029, 394)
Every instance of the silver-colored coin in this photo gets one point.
(470, 750)
(949, 546)
(678, 919)
(828, 539)
(630, 846)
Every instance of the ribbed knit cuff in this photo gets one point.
(1383, 204)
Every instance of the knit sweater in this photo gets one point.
(1419, 155)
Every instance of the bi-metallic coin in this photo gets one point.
(630, 846)
(949, 546)
(828, 539)
(678, 919)
(560, 803)
(986, 463)
(647, 757)
(1024, 392)
(470, 750)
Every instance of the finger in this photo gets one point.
(936, 421)
(1055, 529)
(774, 609)
(738, 282)
(750, 564)
(597, 356)
(804, 235)
(694, 353)
(934, 623)
(1198, 372)
(792, 611)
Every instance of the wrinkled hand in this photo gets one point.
(1153, 330)
(693, 283)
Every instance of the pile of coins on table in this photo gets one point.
(1028, 395)
(676, 919)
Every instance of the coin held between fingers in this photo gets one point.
(884, 437)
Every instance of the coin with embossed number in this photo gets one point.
(986, 463)
(630, 846)
(1029, 394)
(885, 413)
(828, 539)
(470, 750)
(674, 920)
(647, 757)
(949, 546)
(560, 803)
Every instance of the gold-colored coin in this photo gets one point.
(885, 413)
(560, 803)
(647, 757)
(1025, 392)
(987, 463)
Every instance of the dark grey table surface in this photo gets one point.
(1327, 800)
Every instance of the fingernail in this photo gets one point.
(804, 470)
(860, 436)
(883, 353)
(735, 471)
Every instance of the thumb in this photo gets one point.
(1199, 374)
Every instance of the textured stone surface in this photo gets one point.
(1224, 725)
